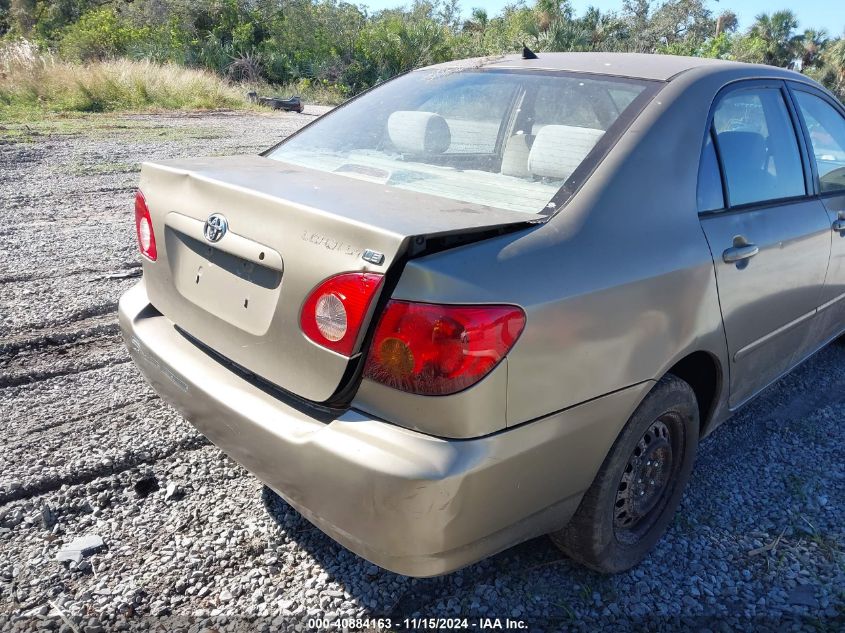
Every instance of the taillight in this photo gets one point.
(144, 227)
(333, 313)
(440, 349)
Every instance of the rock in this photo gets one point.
(803, 595)
(12, 519)
(173, 491)
(48, 517)
(287, 604)
(79, 548)
(226, 596)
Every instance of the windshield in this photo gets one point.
(505, 139)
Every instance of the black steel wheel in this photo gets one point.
(639, 486)
(645, 485)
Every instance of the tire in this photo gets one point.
(620, 519)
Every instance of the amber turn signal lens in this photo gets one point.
(440, 349)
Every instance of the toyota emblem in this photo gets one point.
(215, 227)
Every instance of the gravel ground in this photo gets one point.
(190, 540)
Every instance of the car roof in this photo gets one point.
(635, 65)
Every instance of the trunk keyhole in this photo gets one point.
(246, 303)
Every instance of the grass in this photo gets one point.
(35, 84)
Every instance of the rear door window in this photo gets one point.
(758, 146)
(827, 137)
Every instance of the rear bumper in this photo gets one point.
(409, 502)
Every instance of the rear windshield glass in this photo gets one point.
(508, 140)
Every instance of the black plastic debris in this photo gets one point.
(292, 104)
(527, 53)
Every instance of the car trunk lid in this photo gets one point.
(289, 228)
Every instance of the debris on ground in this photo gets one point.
(291, 104)
(80, 548)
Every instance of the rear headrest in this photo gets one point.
(515, 156)
(748, 149)
(415, 132)
(559, 149)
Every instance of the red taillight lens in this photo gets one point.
(144, 228)
(333, 313)
(440, 349)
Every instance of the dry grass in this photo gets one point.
(32, 81)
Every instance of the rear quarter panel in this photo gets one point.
(619, 285)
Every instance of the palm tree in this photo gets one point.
(478, 21)
(834, 58)
(810, 46)
(605, 29)
(777, 33)
(549, 11)
(566, 35)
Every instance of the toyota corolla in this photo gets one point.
(498, 298)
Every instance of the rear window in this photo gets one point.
(504, 139)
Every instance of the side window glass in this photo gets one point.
(827, 136)
(710, 195)
(758, 147)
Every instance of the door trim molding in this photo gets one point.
(830, 303)
(745, 351)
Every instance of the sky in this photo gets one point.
(818, 14)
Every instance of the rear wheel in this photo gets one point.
(639, 486)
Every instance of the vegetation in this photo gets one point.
(29, 79)
(96, 55)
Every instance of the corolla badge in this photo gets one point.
(215, 227)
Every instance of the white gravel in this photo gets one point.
(193, 541)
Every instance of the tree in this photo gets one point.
(550, 11)
(834, 60)
(810, 46)
(478, 21)
(727, 22)
(776, 33)
(22, 13)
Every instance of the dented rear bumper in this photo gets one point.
(411, 503)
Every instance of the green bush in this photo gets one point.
(100, 34)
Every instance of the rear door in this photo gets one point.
(769, 236)
(824, 128)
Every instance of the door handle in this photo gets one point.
(741, 250)
(839, 225)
